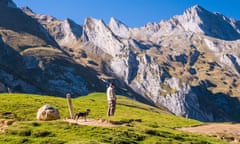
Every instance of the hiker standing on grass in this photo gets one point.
(111, 97)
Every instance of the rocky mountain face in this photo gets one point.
(32, 61)
(189, 64)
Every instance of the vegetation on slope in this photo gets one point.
(142, 123)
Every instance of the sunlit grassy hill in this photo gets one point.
(141, 123)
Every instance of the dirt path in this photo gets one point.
(225, 131)
(93, 122)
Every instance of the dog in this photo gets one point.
(82, 114)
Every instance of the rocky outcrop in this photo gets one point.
(118, 28)
(48, 112)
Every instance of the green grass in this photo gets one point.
(142, 123)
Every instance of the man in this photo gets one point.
(111, 97)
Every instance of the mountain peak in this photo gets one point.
(118, 28)
(72, 27)
(195, 10)
(27, 10)
(116, 22)
(93, 21)
(198, 20)
(68, 20)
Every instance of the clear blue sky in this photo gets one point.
(133, 13)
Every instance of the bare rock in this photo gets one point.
(48, 112)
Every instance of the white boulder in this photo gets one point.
(48, 112)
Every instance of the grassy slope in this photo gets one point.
(145, 124)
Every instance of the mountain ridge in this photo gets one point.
(174, 63)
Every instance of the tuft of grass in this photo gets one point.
(142, 123)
